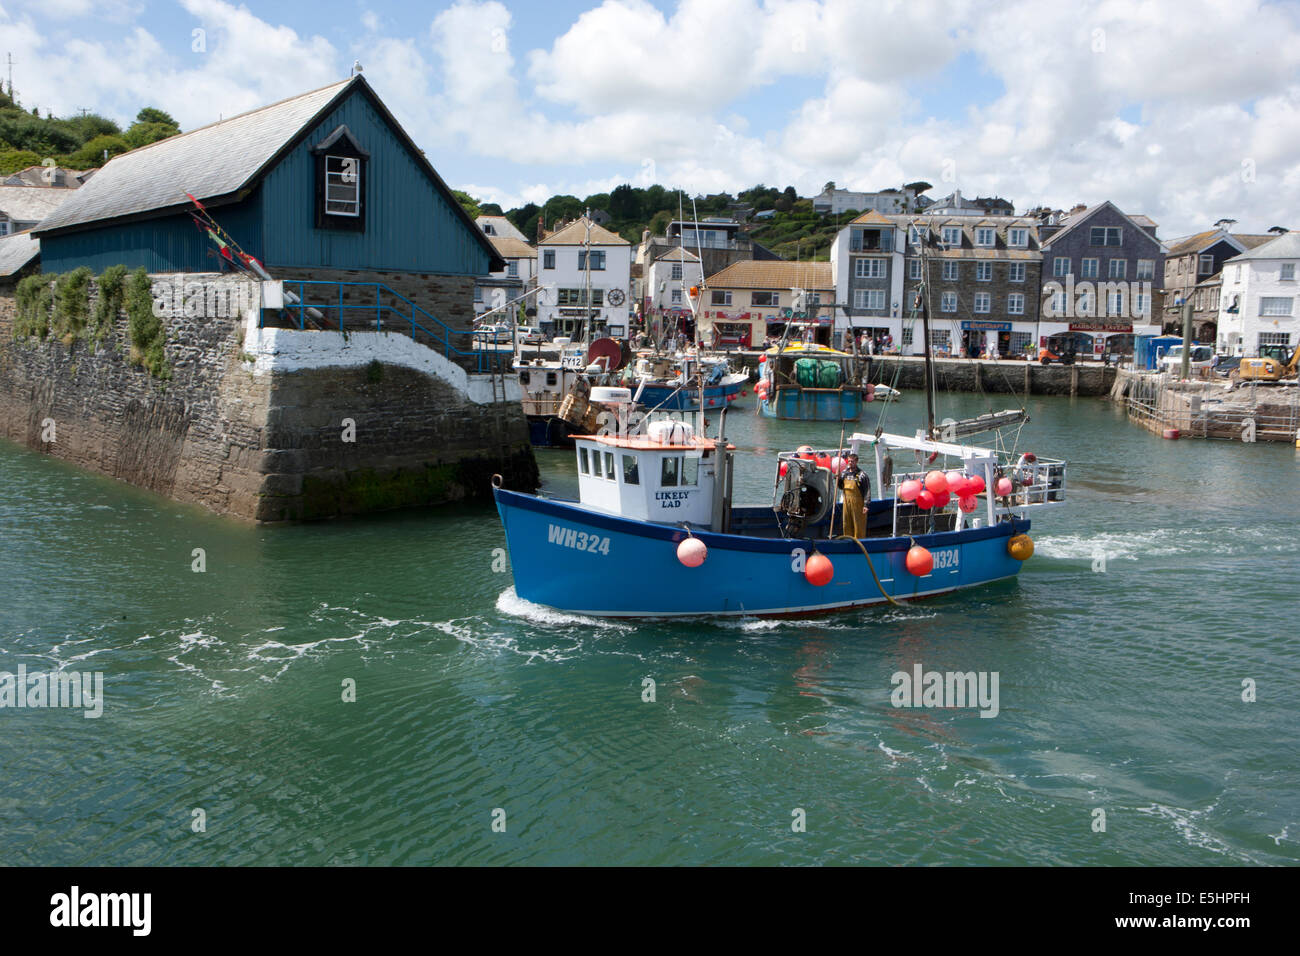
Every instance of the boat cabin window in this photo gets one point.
(523, 378)
(583, 467)
(631, 474)
(680, 471)
(609, 466)
(550, 378)
(668, 477)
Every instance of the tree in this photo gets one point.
(659, 222)
(152, 115)
(790, 194)
(784, 204)
(468, 203)
(15, 159)
(92, 153)
(150, 126)
(624, 203)
(829, 187)
(490, 209)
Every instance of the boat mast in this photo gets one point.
(586, 332)
(923, 292)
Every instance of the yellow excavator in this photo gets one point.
(1270, 368)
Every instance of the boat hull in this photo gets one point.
(813, 405)
(670, 398)
(571, 558)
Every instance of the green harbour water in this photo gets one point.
(1168, 580)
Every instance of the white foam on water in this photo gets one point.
(1187, 823)
(1157, 542)
(510, 603)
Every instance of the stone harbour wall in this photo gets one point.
(231, 431)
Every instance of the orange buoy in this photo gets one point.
(936, 482)
(920, 561)
(819, 570)
(692, 552)
(1020, 547)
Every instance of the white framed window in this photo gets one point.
(1118, 269)
(676, 297)
(722, 297)
(548, 258)
(914, 235)
(1275, 305)
(677, 270)
(1020, 341)
(597, 260)
(952, 235)
(948, 302)
(1086, 306)
(1206, 267)
(4, 227)
(1088, 269)
(1274, 338)
(939, 339)
(512, 267)
(983, 302)
(342, 186)
(1106, 236)
(1288, 272)
(1115, 303)
(1141, 304)
(950, 271)
(907, 335)
(1016, 303)
(914, 268)
(1016, 272)
(986, 236)
(1019, 238)
(1057, 305)
(764, 298)
(1146, 269)
(1061, 266)
(868, 268)
(478, 293)
(875, 298)
(984, 271)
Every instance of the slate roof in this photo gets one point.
(754, 274)
(16, 251)
(222, 160)
(210, 161)
(32, 203)
(575, 234)
(1285, 246)
(1084, 215)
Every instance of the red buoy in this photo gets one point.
(1004, 487)
(819, 570)
(936, 482)
(974, 485)
(925, 499)
(692, 552)
(967, 504)
(920, 562)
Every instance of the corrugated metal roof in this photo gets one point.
(32, 203)
(211, 161)
(765, 274)
(575, 234)
(16, 251)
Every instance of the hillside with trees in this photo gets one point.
(793, 232)
(76, 142)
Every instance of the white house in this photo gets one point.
(1257, 306)
(573, 259)
(669, 280)
(497, 289)
(867, 272)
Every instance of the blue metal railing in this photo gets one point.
(400, 313)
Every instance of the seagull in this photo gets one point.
(356, 68)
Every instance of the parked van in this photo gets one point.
(1172, 361)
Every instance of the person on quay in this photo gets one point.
(854, 483)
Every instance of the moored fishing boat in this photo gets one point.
(684, 383)
(808, 382)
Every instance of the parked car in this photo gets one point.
(530, 335)
(492, 333)
(1172, 361)
(1226, 365)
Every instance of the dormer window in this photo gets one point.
(341, 166)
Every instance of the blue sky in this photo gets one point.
(1167, 108)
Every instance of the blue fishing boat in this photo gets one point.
(685, 383)
(661, 502)
(811, 383)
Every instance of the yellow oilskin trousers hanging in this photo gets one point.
(855, 522)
